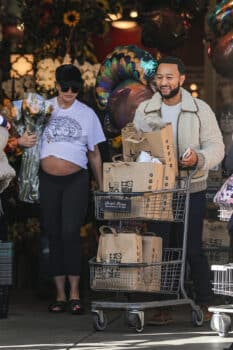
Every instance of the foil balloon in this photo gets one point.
(124, 101)
(164, 29)
(125, 62)
(122, 83)
(220, 20)
(221, 55)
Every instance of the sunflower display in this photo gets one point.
(71, 18)
(59, 27)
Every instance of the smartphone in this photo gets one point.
(186, 154)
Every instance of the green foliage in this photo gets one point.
(56, 27)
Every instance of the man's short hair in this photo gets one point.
(68, 73)
(173, 60)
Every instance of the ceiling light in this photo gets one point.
(133, 14)
(195, 94)
(193, 87)
(124, 24)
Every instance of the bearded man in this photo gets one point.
(198, 142)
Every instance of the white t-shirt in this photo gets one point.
(3, 121)
(170, 115)
(71, 132)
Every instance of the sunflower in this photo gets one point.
(71, 18)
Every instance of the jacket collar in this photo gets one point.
(187, 102)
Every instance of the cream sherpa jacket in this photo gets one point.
(197, 128)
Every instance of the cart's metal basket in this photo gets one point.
(166, 205)
(162, 277)
(223, 279)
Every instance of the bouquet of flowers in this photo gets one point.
(30, 114)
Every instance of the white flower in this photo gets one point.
(88, 79)
(89, 73)
(96, 68)
(45, 76)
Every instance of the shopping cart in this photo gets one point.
(225, 212)
(164, 205)
(222, 285)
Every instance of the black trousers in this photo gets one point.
(172, 234)
(63, 203)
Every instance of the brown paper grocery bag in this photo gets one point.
(132, 143)
(118, 248)
(159, 206)
(160, 143)
(152, 254)
(118, 278)
(132, 176)
(129, 177)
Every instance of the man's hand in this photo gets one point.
(189, 158)
(27, 140)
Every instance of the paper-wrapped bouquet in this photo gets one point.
(30, 114)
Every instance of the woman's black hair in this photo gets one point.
(68, 73)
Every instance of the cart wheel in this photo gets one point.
(221, 323)
(197, 318)
(131, 319)
(139, 326)
(98, 323)
(134, 321)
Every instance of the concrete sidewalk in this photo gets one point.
(30, 326)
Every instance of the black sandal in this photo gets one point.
(75, 307)
(58, 306)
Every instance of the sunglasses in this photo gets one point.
(65, 86)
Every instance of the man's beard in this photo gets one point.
(172, 93)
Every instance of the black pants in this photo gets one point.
(63, 201)
(172, 235)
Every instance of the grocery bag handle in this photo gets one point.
(120, 161)
(133, 140)
(103, 229)
(117, 157)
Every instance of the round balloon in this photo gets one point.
(221, 55)
(221, 19)
(124, 101)
(125, 62)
